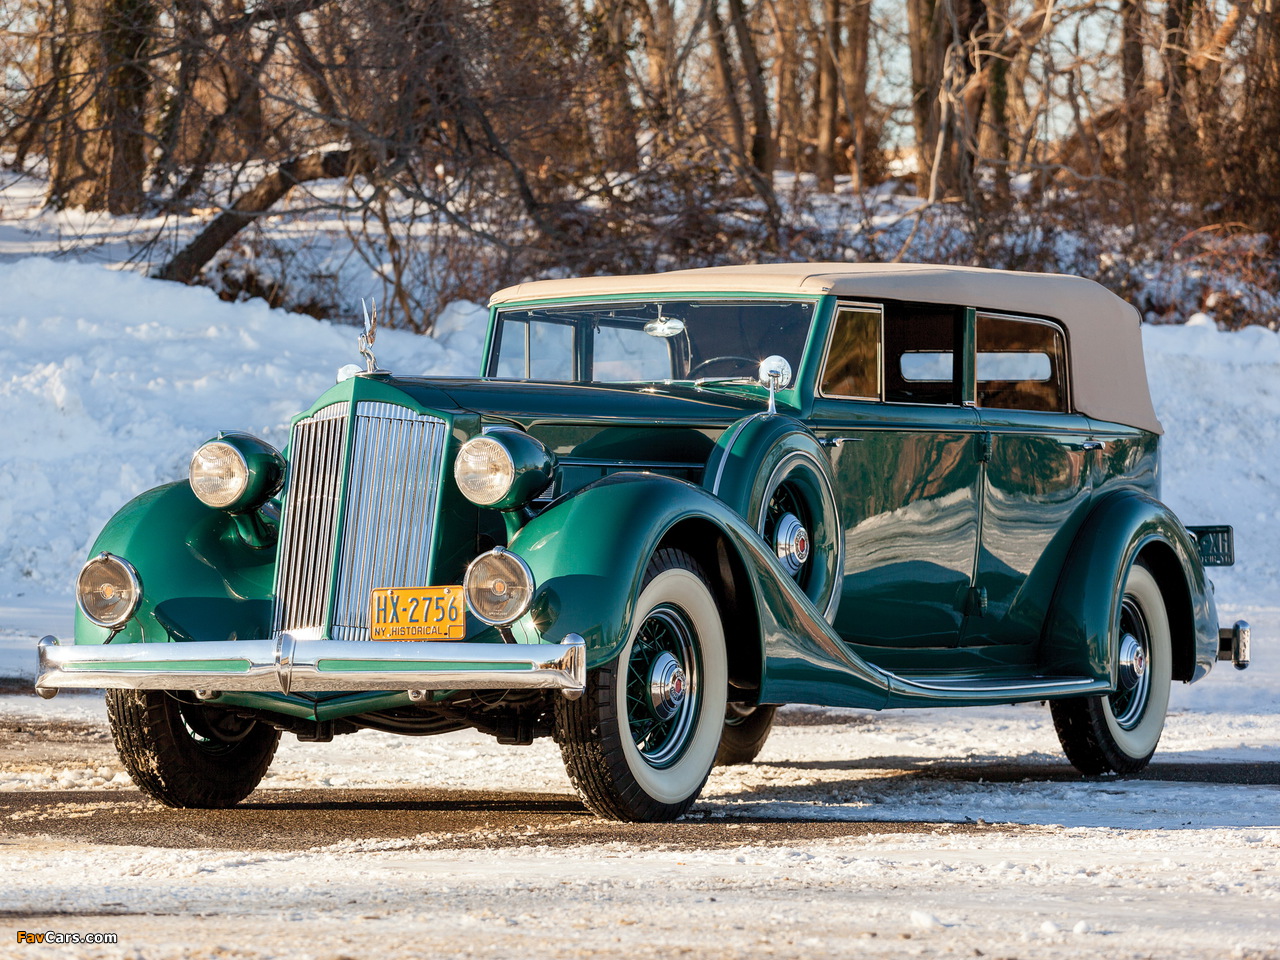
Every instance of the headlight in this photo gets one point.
(108, 590)
(504, 469)
(236, 472)
(498, 587)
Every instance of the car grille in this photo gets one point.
(392, 477)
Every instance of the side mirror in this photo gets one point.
(775, 373)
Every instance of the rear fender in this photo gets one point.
(1123, 527)
(200, 580)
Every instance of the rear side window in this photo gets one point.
(1021, 364)
(921, 349)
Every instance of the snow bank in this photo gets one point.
(110, 380)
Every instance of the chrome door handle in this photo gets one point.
(1091, 445)
(834, 442)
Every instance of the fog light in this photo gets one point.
(108, 590)
(498, 587)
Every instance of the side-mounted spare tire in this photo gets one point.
(773, 472)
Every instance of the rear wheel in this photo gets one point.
(1119, 732)
(640, 742)
(188, 754)
(746, 728)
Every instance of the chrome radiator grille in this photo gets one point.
(385, 528)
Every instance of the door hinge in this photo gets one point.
(984, 448)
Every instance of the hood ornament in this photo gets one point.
(371, 368)
(370, 334)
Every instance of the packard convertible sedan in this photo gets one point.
(669, 504)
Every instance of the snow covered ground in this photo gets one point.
(110, 380)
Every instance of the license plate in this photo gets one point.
(1217, 545)
(417, 613)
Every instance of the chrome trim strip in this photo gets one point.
(736, 429)
(632, 464)
(996, 689)
(286, 665)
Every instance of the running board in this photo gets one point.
(943, 689)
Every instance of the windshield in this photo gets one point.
(653, 341)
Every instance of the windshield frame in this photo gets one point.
(581, 351)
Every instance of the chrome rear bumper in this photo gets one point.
(287, 664)
(1234, 642)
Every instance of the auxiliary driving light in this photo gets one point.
(498, 587)
(108, 590)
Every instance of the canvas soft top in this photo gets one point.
(1108, 375)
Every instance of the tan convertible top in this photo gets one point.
(1108, 375)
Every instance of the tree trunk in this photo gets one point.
(99, 155)
(728, 87)
(828, 106)
(853, 67)
(763, 154)
(1182, 150)
(1133, 72)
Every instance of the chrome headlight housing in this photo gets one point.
(236, 472)
(503, 469)
(498, 587)
(108, 590)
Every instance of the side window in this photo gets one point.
(539, 351)
(853, 359)
(1021, 364)
(921, 358)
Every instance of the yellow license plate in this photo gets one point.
(417, 613)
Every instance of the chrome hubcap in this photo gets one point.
(1133, 661)
(667, 686)
(791, 543)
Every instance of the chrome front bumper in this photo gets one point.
(288, 664)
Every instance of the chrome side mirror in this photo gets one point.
(775, 373)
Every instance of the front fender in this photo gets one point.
(200, 580)
(588, 555)
(1120, 528)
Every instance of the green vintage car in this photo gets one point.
(669, 504)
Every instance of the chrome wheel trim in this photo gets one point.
(1129, 702)
(662, 689)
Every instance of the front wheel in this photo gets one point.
(640, 742)
(188, 754)
(1119, 732)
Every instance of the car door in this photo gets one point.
(1036, 476)
(903, 449)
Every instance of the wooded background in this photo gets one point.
(479, 143)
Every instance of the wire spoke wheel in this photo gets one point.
(662, 686)
(640, 742)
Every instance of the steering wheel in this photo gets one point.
(726, 358)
